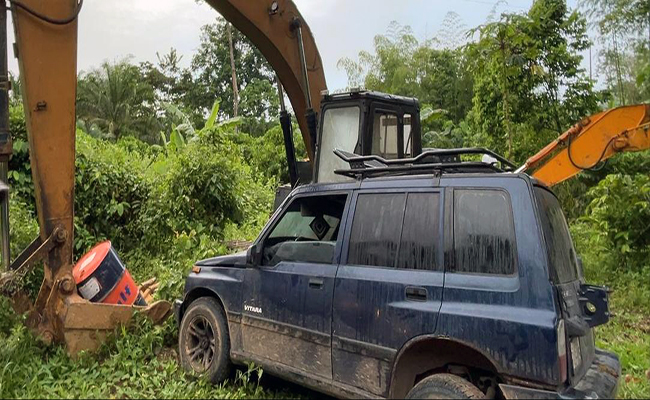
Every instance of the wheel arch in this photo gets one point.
(196, 294)
(425, 354)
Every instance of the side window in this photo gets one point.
(307, 231)
(420, 244)
(484, 235)
(408, 137)
(384, 135)
(375, 236)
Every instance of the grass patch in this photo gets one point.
(140, 362)
(628, 334)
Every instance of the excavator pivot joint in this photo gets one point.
(61, 235)
(67, 285)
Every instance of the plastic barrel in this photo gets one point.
(102, 278)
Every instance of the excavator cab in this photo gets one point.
(360, 122)
(365, 123)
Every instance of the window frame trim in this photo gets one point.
(451, 245)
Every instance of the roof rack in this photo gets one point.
(437, 160)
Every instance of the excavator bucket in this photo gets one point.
(86, 324)
(46, 44)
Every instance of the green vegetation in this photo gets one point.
(163, 210)
(167, 174)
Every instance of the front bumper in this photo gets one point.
(178, 306)
(600, 382)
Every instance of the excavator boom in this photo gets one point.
(593, 140)
(46, 48)
(273, 27)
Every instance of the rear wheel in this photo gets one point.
(203, 340)
(444, 386)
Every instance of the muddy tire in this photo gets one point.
(203, 340)
(444, 386)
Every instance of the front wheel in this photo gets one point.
(444, 386)
(203, 340)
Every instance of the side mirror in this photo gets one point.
(254, 256)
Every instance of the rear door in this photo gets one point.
(389, 285)
(567, 278)
(287, 311)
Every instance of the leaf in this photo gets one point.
(429, 114)
(213, 114)
(120, 209)
(177, 139)
(230, 123)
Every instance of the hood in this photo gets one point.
(232, 260)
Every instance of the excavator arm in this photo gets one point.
(46, 48)
(593, 140)
(278, 30)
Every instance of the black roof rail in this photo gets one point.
(364, 166)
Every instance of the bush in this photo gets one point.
(20, 171)
(620, 209)
(110, 192)
(267, 154)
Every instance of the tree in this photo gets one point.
(211, 75)
(116, 98)
(235, 88)
(624, 32)
(439, 78)
(529, 86)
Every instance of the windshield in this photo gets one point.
(340, 131)
(559, 246)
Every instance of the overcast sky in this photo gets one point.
(110, 30)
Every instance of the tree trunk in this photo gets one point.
(506, 99)
(618, 69)
(235, 90)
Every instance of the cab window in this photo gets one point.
(306, 232)
(384, 137)
(340, 131)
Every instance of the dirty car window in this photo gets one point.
(419, 246)
(484, 237)
(376, 229)
(562, 256)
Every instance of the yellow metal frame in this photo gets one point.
(593, 140)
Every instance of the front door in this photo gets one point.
(287, 311)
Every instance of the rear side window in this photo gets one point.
(419, 246)
(396, 230)
(376, 229)
(484, 234)
(559, 246)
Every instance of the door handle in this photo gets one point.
(315, 283)
(416, 293)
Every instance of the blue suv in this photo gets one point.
(432, 279)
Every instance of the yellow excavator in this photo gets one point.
(358, 121)
(591, 141)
